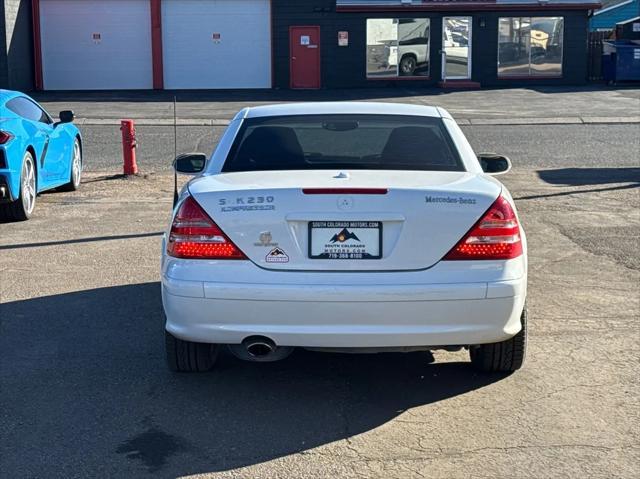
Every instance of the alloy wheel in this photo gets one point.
(28, 184)
(76, 165)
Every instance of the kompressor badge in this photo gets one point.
(265, 239)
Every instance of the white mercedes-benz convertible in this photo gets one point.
(353, 227)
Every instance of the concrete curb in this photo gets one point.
(528, 121)
(569, 120)
(609, 120)
(153, 122)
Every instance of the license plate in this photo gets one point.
(345, 239)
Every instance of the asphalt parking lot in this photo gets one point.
(85, 391)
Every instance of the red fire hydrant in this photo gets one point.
(129, 146)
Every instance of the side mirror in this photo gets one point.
(66, 116)
(190, 163)
(494, 164)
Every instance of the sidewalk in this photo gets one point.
(520, 106)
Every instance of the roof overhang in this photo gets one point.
(467, 5)
(613, 7)
(628, 20)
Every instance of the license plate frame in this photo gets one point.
(338, 227)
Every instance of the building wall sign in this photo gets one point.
(343, 39)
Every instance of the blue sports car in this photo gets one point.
(36, 154)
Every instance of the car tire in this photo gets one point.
(408, 65)
(76, 169)
(189, 357)
(506, 356)
(22, 208)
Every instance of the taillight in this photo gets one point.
(194, 235)
(495, 236)
(5, 137)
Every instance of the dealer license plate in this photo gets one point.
(345, 239)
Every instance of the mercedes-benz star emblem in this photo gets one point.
(345, 203)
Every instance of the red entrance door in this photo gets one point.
(305, 57)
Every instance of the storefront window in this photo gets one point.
(546, 45)
(530, 46)
(397, 47)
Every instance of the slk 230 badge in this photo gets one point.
(247, 203)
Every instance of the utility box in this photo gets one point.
(621, 61)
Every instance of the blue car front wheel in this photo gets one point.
(22, 208)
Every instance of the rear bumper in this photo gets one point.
(345, 315)
(5, 190)
(11, 155)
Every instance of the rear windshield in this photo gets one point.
(362, 142)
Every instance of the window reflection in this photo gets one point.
(546, 45)
(530, 46)
(382, 41)
(397, 47)
(513, 46)
(455, 40)
(413, 47)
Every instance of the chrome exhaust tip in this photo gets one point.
(259, 349)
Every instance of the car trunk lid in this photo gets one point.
(357, 220)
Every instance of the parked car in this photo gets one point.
(356, 227)
(36, 154)
(412, 53)
(456, 46)
(411, 56)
